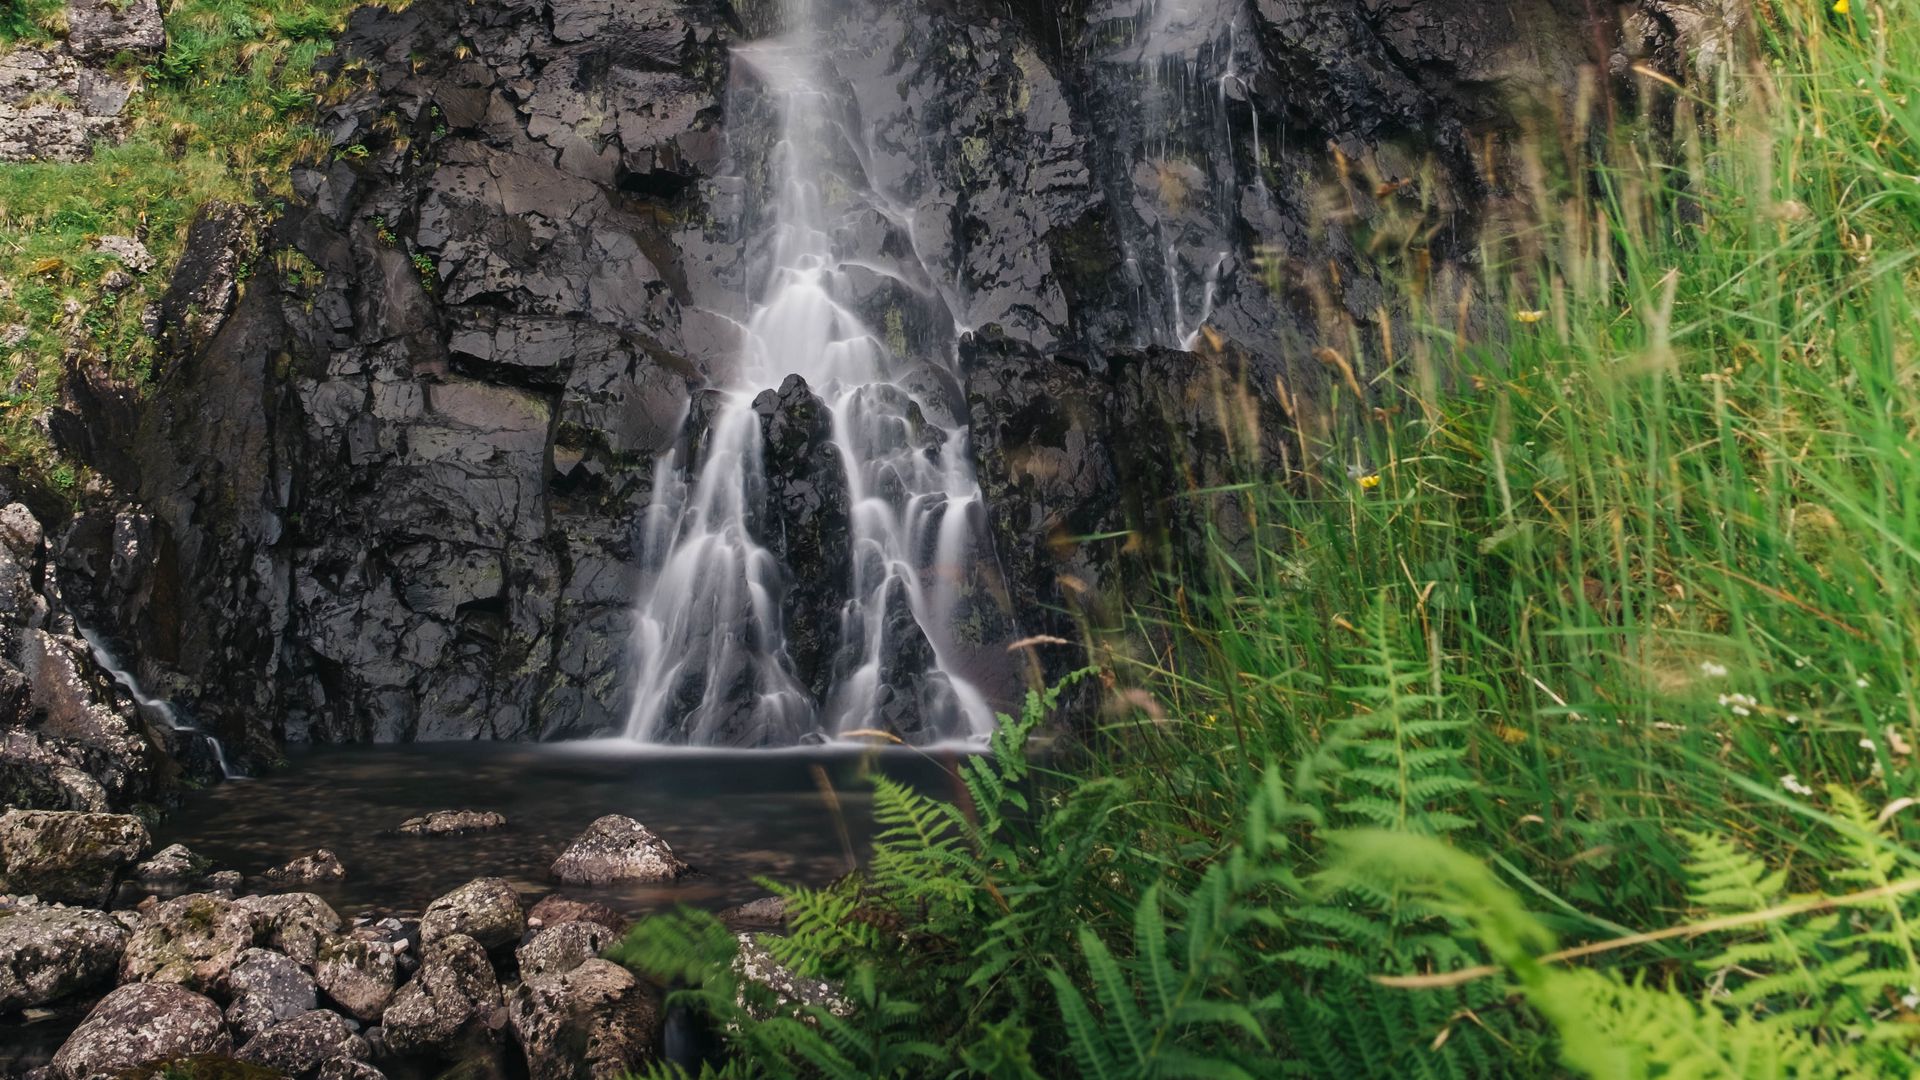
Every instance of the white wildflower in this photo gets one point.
(1793, 718)
(1866, 744)
(1794, 786)
(1712, 670)
(1861, 682)
(1911, 999)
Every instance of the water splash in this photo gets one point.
(710, 645)
(157, 707)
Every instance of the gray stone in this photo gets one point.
(322, 865)
(554, 909)
(53, 109)
(453, 995)
(563, 947)
(342, 1068)
(617, 848)
(192, 940)
(297, 924)
(172, 864)
(132, 253)
(267, 988)
(486, 910)
(68, 688)
(67, 856)
(592, 1023)
(98, 29)
(452, 823)
(299, 1046)
(789, 991)
(33, 776)
(360, 976)
(20, 531)
(138, 1024)
(48, 952)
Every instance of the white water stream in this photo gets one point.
(159, 707)
(712, 665)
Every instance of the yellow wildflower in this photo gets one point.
(1536, 316)
(1841, 7)
(1370, 481)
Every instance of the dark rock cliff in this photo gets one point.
(388, 480)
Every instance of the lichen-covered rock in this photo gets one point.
(141, 1023)
(452, 823)
(554, 909)
(766, 913)
(757, 966)
(33, 776)
(359, 976)
(20, 531)
(485, 909)
(69, 688)
(322, 865)
(98, 29)
(563, 947)
(55, 109)
(172, 865)
(67, 856)
(267, 988)
(297, 924)
(453, 995)
(343, 1068)
(617, 848)
(592, 1023)
(193, 940)
(48, 952)
(297, 1047)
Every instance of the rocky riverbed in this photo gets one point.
(207, 966)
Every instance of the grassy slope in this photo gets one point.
(222, 115)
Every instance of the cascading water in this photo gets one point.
(1176, 61)
(158, 707)
(710, 641)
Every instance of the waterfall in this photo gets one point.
(710, 642)
(157, 707)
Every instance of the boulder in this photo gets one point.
(226, 882)
(359, 976)
(766, 913)
(617, 848)
(131, 252)
(141, 1023)
(67, 856)
(486, 910)
(322, 865)
(48, 952)
(297, 924)
(34, 776)
(266, 989)
(20, 531)
(299, 1046)
(98, 29)
(452, 823)
(563, 947)
(193, 940)
(453, 995)
(345, 1068)
(757, 965)
(554, 909)
(592, 1023)
(172, 865)
(69, 688)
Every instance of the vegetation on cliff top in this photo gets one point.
(220, 116)
(1563, 721)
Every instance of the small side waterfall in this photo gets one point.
(710, 644)
(1178, 61)
(158, 707)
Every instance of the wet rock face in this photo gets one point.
(49, 952)
(452, 823)
(67, 856)
(616, 848)
(563, 947)
(141, 1023)
(436, 410)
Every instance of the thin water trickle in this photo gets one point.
(159, 707)
(710, 641)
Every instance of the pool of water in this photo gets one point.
(802, 816)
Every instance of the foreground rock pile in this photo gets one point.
(282, 982)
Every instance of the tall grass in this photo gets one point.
(1593, 624)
